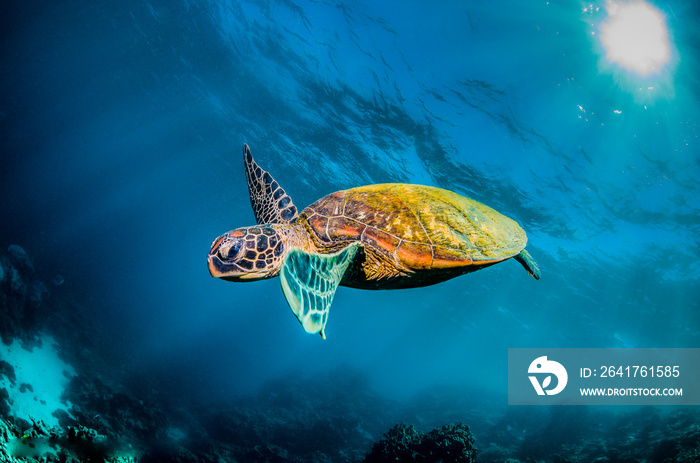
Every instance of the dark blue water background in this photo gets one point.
(121, 128)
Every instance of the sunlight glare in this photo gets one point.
(635, 36)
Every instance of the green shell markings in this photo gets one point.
(386, 236)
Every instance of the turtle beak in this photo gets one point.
(230, 272)
(219, 266)
(217, 269)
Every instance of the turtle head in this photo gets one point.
(247, 254)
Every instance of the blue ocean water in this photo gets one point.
(122, 125)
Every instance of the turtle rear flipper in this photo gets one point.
(271, 204)
(309, 282)
(530, 264)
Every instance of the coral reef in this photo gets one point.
(4, 402)
(7, 371)
(451, 443)
(20, 259)
(560, 435)
(21, 295)
(37, 442)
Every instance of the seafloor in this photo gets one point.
(60, 401)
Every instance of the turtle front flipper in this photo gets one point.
(271, 204)
(309, 282)
(530, 264)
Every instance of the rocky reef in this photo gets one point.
(449, 444)
(579, 434)
(73, 444)
(22, 294)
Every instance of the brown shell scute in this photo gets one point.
(420, 227)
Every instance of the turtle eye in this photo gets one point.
(232, 251)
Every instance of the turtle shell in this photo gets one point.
(416, 227)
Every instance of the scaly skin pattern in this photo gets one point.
(255, 252)
(271, 204)
(412, 235)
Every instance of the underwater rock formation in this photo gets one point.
(21, 295)
(37, 293)
(451, 443)
(37, 442)
(20, 259)
(4, 402)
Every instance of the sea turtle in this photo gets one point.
(386, 236)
